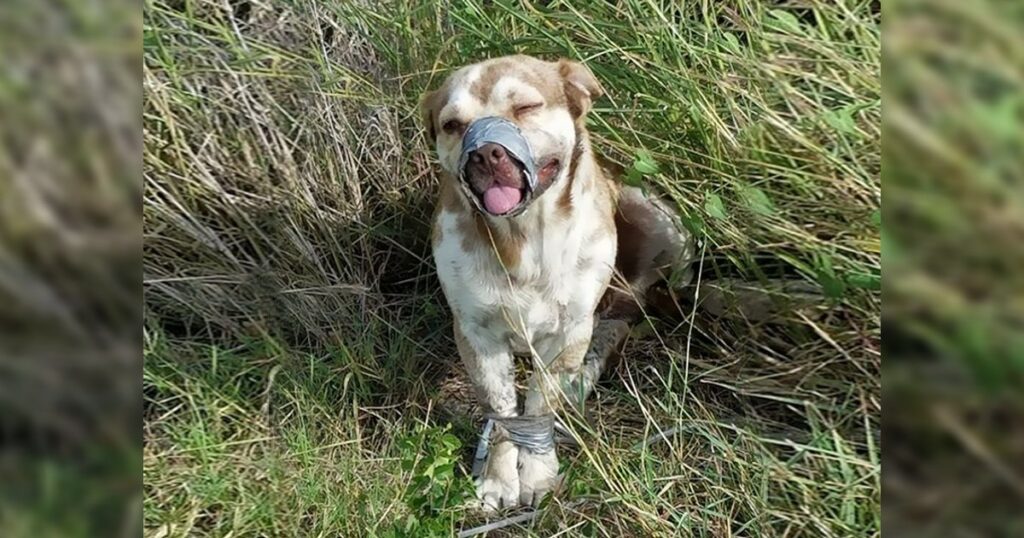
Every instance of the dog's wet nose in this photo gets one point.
(492, 154)
(491, 164)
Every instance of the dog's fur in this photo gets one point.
(531, 283)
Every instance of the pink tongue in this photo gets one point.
(500, 199)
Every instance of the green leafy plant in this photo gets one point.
(714, 206)
(643, 166)
(434, 491)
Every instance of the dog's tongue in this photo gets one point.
(500, 199)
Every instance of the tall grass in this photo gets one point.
(295, 328)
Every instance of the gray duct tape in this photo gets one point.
(495, 130)
(533, 433)
(482, 448)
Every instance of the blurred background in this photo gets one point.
(953, 245)
(70, 268)
(71, 216)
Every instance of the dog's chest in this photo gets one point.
(556, 280)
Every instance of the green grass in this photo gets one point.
(295, 330)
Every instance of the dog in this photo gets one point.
(527, 240)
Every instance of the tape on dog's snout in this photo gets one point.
(495, 130)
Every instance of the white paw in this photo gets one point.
(538, 474)
(498, 486)
(495, 494)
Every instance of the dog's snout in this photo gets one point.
(492, 154)
(491, 164)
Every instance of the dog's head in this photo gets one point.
(545, 100)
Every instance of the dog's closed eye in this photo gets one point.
(519, 110)
(453, 126)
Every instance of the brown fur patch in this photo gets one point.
(580, 86)
(447, 201)
(541, 75)
(450, 197)
(632, 238)
(430, 107)
(565, 201)
(482, 87)
(544, 78)
(436, 234)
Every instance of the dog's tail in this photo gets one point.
(654, 274)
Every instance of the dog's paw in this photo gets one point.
(498, 486)
(538, 474)
(495, 494)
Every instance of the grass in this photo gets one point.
(297, 344)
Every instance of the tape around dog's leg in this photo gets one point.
(483, 446)
(535, 433)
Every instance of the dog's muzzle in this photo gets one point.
(495, 130)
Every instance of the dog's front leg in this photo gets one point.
(489, 364)
(559, 369)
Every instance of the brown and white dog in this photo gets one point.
(528, 280)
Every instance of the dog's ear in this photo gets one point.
(581, 87)
(428, 112)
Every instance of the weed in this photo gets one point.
(430, 455)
